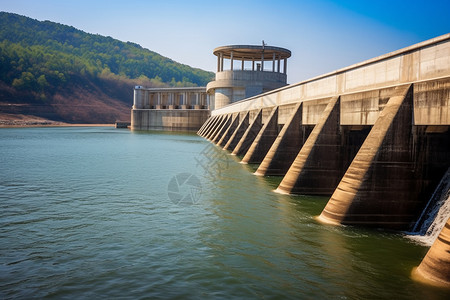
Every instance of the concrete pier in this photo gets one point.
(379, 187)
(435, 267)
(249, 135)
(285, 147)
(229, 131)
(205, 126)
(213, 127)
(238, 133)
(317, 167)
(263, 141)
(221, 130)
(215, 131)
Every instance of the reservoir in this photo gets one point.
(97, 212)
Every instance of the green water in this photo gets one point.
(105, 213)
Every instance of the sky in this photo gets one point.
(323, 35)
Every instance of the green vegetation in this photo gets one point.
(43, 57)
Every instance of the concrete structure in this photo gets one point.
(375, 136)
(120, 124)
(181, 109)
(435, 267)
(260, 69)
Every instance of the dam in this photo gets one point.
(373, 136)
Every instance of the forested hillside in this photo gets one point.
(60, 73)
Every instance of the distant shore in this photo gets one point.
(49, 124)
(20, 120)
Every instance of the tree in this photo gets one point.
(42, 82)
(26, 81)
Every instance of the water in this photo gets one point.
(95, 213)
(435, 214)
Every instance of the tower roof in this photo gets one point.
(250, 52)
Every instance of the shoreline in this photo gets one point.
(33, 124)
(20, 120)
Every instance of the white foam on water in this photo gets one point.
(436, 217)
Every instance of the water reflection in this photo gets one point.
(350, 262)
(95, 201)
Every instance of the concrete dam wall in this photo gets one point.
(374, 136)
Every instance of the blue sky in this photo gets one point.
(323, 35)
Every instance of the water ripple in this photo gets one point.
(84, 213)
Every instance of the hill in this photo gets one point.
(55, 72)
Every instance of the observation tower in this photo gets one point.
(244, 71)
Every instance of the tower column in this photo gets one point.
(231, 58)
(273, 62)
(279, 65)
(262, 61)
(218, 63)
